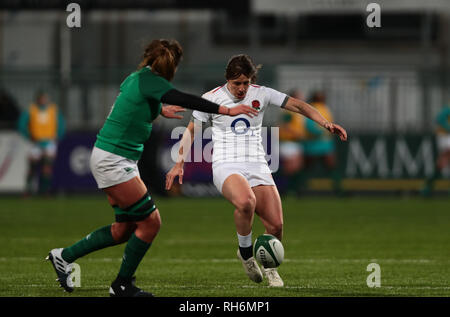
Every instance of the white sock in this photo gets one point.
(245, 241)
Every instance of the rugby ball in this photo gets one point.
(268, 251)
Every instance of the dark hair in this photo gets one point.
(317, 96)
(39, 93)
(296, 93)
(239, 65)
(163, 56)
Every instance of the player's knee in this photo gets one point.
(246, 203)
(152, 223)
(156, 219)
(47, 170)
(121, 232)
(148, 228)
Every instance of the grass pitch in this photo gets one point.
(329, 243)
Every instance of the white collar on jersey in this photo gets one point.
(232, 97)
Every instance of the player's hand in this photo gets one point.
(176, 170)
(243, 109)
(171, 111)
(336, 129)
(240, 109)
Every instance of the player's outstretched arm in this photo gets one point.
(299, 106)
(185, 147)
(176, 97)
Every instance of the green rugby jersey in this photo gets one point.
(129, 123)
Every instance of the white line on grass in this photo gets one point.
(229, 260)
(200, 286)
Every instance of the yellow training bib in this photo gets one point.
(43, 122)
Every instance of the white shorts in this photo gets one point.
(255, 173)
(443, 142)
(111, 169)
(37, 151)
(290, 149)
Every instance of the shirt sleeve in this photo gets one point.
(153, 87)
(443, 119)
(202, 116)
(189, 101)
(276, 98)
(286, 118)
(313, 128)
(22, 124)
(61, 126)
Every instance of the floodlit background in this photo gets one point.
(383, 84)
(386, 85)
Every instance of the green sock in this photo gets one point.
(45, 184)
(336, 177)
(134, 252)
(32, 171)
(99, 239)
(429, 181)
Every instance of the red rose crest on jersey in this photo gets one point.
(256, 104)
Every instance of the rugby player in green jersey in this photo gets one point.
(114, 159)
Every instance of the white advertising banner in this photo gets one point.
(14, 150)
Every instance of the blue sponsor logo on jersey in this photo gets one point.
(240, 129)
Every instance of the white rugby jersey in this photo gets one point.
(239, 138)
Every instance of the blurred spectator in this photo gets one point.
(43, 124)
(443, 145)
(319, 145)
(291, 150)
(9, 111)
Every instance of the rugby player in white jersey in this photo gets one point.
(240, 170)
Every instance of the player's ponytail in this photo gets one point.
(242, 64)
(163, 56)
